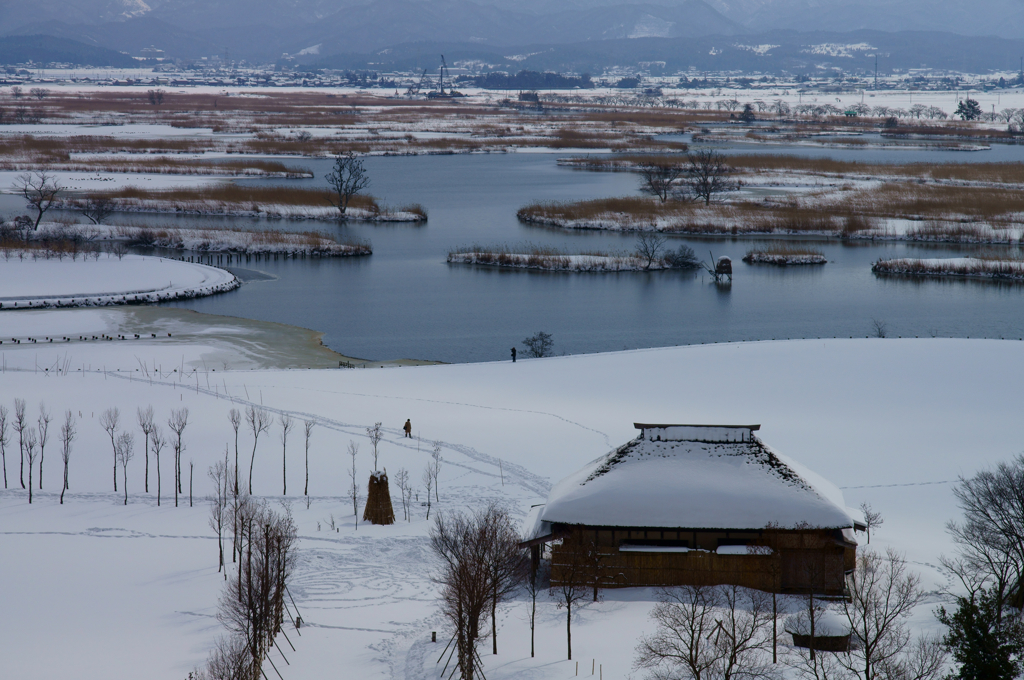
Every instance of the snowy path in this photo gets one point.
(108, 280)
(874, 416)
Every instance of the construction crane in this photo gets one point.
(440, 92)
(415, 88)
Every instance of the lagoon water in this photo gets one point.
(405, 301)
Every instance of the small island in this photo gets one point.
(649, 256)
(784, 256)
(962, 267)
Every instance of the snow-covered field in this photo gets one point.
(134, 588)
(27, 281)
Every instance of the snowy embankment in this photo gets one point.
(558, 262)
(783, 259)
(29, 282)
(252, 210)
(969, 267)
(138, 584)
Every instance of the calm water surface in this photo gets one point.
(405, 301)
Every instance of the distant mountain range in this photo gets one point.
(322, 31)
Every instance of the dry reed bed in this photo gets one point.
(953, 214)
(784, 255)
(966, 267)
(995, 173)
(270, 241)
(530, 257)
(251, 201)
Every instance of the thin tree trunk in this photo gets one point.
(533, 612)
(236, 462)
(568, 628)
(284, 470)
(252, 462)
(115, 463)
(158, 480)
(40, 468)
(305, 492)
(126, 485)
(494, 620)
(30, 484)
(190, 484)
(147, 462)
(775, 633)
(63, 488)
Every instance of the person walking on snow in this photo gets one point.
(408, 428)
(513, 355)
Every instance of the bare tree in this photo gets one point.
(20, 425)
(465, 546)
(67, 435)
(882, 594)
(158, 442)
(236, 421)
(252, 605)
(509, 564)
(574, 579)
(659, 180)
(709, 632)
(43, 425)
(125, 452)
(428, 482)
(259, 421)
(177, 424)
(649, 245)
(109, 421)
(220, 475)
(40, 189)
(353, 451)
(5, 439)
(435, 459)
(535, 583)
(872, 519)
(30, 456)
(990, 539)
(539, 345)
(707, 175)
(39, 93)
(402, 482)
(98, 208)
(156, 97)
(375, 434)
(880, 328)
(347, 178)
(146, 424)
(286, 426)
(308, 431)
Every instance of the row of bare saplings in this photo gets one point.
(253, 606)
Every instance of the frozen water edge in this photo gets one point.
(32, 283)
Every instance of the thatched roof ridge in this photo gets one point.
(696, 476)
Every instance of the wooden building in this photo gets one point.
(698, 504)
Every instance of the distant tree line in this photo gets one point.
(527, 80)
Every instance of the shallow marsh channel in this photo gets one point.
(405, 301)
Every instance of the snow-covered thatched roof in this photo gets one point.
(696, 476)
